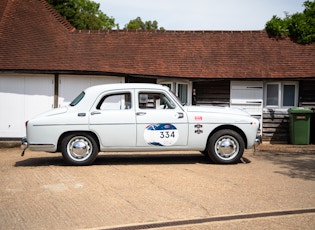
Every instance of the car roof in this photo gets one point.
(121, 86)
(93, 92)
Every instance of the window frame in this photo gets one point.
(161, 95)
(281, 85)
(173, 84)
(105, 96)
(187, 92)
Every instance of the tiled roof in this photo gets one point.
(34, 37)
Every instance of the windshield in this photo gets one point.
(77, 99)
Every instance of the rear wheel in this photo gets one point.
(79, 149)
(226, 147)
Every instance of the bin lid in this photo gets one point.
(299, 110)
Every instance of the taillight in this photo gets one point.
(26, 123)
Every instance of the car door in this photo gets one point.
(160, 120)
(113, 119)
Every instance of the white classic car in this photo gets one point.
(139, 117)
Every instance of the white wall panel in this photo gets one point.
(248, 96)
(70, 86)
(21, 98)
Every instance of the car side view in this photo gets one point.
(139, 117)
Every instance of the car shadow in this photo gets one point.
(126, 159)
(294, 165)
(151, 159)
(41, 161)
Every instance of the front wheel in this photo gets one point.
(226, 147)
(79, 149)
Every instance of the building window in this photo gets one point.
(272, 95)
(182, 89)
(289, 95)
(182, 92)
(281, 94)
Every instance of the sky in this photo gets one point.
(200, 14)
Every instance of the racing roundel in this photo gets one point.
(161, 134)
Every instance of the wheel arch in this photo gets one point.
(62, 136)
(231, 127)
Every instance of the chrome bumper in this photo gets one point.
(258, 141)
(24, 145)
(36, 147)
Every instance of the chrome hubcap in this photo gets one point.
(226, 147)
(79, 148)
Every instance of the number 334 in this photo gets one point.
(167, 134)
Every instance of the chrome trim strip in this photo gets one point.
(58, 125)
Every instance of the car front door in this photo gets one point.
(113, 119)
(160, 121)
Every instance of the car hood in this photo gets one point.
(216, 109)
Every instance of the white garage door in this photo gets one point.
(70, 86)
(21, 98)
(248, 95)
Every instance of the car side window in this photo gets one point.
(120, 101)
(148, 100)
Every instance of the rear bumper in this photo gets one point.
(24, 144)
(37, 147)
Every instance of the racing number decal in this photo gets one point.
(167, 134)
(161, 134)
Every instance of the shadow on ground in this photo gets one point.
(126, 159)
(295, 165)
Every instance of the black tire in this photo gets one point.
(226, 147)
(204, 152)
(79, 149)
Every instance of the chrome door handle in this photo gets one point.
(95, 112)
(140, 113)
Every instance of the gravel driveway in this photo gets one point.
(179, 190)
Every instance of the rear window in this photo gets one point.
(77, 99)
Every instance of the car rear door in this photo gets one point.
(113, 119)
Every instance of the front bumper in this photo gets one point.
(24, 145)
(258, 141)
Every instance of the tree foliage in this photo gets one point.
(300, 27)
(83, 14)
(138, 24)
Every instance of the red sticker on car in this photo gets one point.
(198, 118)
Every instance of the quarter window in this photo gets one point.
(77, 99)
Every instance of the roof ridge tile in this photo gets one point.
(57, 16)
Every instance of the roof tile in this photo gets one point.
(33, 36)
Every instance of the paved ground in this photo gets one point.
(273, 188)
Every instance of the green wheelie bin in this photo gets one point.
(300, 125)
